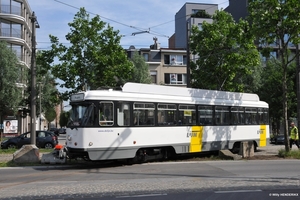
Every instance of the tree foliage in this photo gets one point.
(140, 72)
(276, 23)
(10, 93)
(271, 91)
(201, 14)
(64, 117)
(45, 88)
(226, 54)
(50, 115)
(94, 57)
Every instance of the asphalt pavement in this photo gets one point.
(270, 149)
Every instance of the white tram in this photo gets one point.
(143, 121)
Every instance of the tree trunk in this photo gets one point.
(285, 119)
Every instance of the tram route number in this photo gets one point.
(260, 131)
(192, 134)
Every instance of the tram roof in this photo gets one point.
(187, 92)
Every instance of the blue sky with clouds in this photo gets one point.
(128, 17)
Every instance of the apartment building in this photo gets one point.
(184, 21)
(167, 66)
(239, 10)
(16, 30)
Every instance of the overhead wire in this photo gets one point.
(150, 31)
(129, 26)
(146, 30)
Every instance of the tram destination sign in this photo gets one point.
(77, 97)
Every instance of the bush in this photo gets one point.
(290, 154)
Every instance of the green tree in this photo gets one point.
(227, 54)
(50, 115)
(140, 73)
(271, 91)
(46, 84)
(277, 23)
(64, 118)
(10, 93)
(45, 88)
(93, 59)
(201, 14)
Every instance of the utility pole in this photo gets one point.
(33, 81)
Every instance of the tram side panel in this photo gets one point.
(121, 143)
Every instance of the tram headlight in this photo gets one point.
(90, 144)
(69, 138)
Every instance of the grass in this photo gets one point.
(11, 163)
(294, 154)
(11, 151)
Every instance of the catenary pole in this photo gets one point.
(33, 81)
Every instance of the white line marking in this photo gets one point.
(141, 195)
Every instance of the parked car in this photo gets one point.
(278, 139)
(55, 131)
(44, 139)
(62, 131)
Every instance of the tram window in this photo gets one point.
(187, 114)
(205, 115)
(83, 115)
(123, 111)
(263, 116)
(106, 114)
(222, 115)
(237, 115)
(251, 116)
(143, 114)
(167, 114)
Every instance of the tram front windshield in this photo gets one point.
(82, 115)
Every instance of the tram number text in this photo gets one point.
(191, 134)
(261, 131)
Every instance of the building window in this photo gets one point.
(175, 59)
(200, 26)
(194, 11)
(11, 7)
(153, 75)
(146, 56)
(175, 79)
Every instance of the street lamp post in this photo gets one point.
(33, 81)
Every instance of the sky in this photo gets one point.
(131, 16)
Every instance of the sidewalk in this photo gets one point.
(270, 149)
